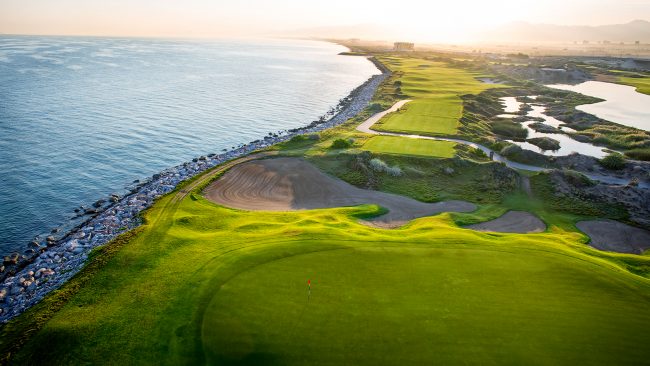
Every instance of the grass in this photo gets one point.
(436, 89)
(642, 84)
(408, 146)
(436, 116)
(207, 284)
(203, 284)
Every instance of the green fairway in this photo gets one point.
(435, 88)
(409, 146)
(642, 84)
(434, 116)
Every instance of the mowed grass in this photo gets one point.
(203, 284)
(642, 84)
(435, 88)
(437, 116)
(409, 146)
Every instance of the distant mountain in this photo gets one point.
(638, 30)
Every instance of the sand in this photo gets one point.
(287, 184)
(614, 236)
(512, 222)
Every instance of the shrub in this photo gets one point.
(342, 143)
(511, 150)
(577, 179)
(478, 152)
(394, 171)
(509, 129)
(613, 161)
(639, 154)
(298, 138)
(375, 107)
(379, 166)
(545, 143)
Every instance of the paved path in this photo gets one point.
(366, 127)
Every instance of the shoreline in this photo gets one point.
(51, 262)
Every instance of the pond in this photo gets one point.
(622, 104)
(567, 144)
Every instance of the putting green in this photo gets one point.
(417, 305)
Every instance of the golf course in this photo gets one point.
(354, 248)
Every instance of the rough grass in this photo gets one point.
(409, 146)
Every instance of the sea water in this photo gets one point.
(81, 118)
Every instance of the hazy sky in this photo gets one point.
(450, 20)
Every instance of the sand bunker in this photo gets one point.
(512, 222)
(614, 236)
(285, 184)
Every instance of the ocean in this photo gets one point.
(83, 117)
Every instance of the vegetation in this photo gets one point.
(436, 89)
(641, 83)
(408, 146)
(613, 161)
(378, 165)
(545, 143)
(509, 129)
(207, 284)
(341, 144)
(203, 284)
(639, 154)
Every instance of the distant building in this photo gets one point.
(403, 46)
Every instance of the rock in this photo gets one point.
(55, 230)
(449, 171)
(35, 244)
(99, 203)
(12, 259)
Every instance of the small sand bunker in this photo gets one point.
(614, 236)
(512, 222)
(286, 184)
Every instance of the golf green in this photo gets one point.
(426, 305)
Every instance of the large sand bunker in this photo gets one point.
(285, 184)
(614, 236)
(512, 222)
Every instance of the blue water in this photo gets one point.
(81, 118)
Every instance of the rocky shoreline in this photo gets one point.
(49, 263)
